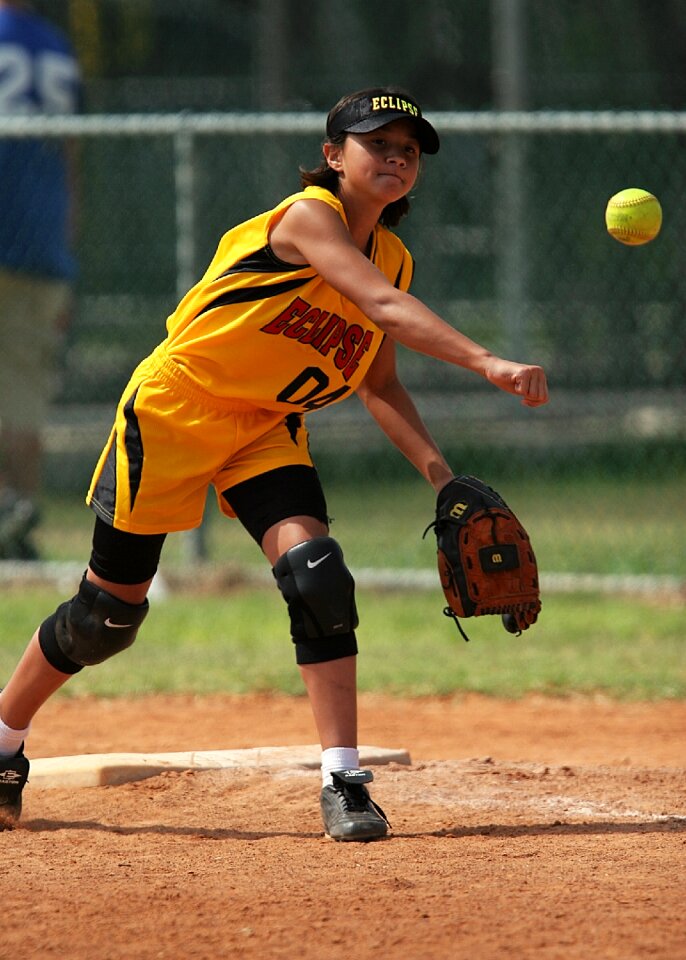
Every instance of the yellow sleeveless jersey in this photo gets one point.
(274, 334)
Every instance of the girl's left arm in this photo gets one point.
(392, 407)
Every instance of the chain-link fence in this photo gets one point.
(508, 234)
(507, 228)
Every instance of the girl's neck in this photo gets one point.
(361, 221)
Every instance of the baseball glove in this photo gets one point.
(485, 559)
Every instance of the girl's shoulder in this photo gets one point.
(255, 232)
(313, 193)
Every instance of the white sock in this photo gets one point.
(11, 740)
(338, 758)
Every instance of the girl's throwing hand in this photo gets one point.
(525, 380)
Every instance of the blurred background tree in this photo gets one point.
(507, 229)
(302, 54)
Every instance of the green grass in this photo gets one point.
(239, 643)
(619, 646)
(587, 525)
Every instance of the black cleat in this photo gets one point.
(14, 772)
(349, 813)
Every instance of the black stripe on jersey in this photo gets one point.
(261, 261)
(133, 442)
(400, 273)
(248, 294)
(294, 422)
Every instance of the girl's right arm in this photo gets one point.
(312, 232)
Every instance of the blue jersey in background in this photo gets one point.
(39, 74)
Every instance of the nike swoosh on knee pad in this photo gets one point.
(315, 563)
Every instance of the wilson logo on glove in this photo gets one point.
(485, 559)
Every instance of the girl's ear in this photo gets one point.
(333, 155)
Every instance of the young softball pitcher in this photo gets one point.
(300, 307)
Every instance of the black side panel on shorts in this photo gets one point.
(105, 493)
(134, 448)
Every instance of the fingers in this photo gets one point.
(525, 380)
(531, 385)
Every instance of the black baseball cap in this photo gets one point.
(369, 110)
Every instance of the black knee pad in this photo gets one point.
(320, 593)
(90, 628)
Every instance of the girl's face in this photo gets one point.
(381, 165)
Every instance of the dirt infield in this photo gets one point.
(537, 828)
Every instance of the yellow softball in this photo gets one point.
(633, 216)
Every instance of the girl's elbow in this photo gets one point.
(385, 309)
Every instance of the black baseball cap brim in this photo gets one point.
(371, 112)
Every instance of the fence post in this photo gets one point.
(509, 76)
(184, 209)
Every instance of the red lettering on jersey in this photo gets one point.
(352, 337)
(323, 334)
(312, 332)
(335, 338)
(361, 350)
(296, 308)
(297, 329)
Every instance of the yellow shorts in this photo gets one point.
(171, 441)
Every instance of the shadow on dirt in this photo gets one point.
(557, 827)
(496, 830)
